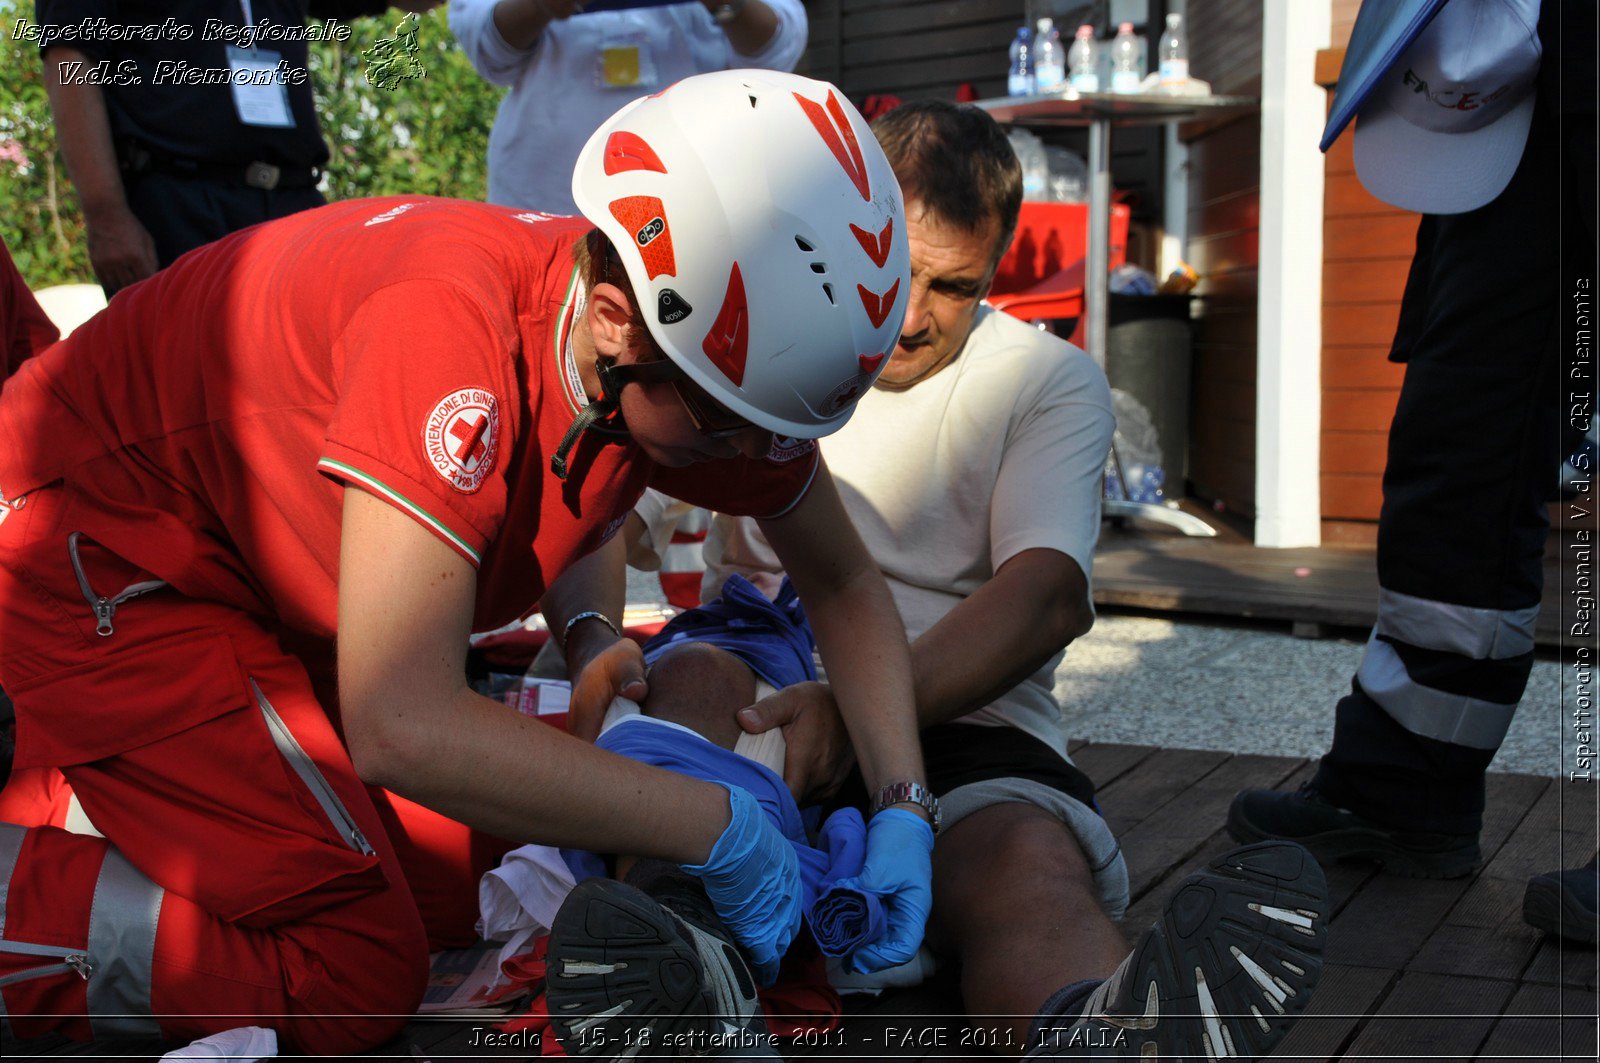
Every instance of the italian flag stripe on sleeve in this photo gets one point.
(383, 490)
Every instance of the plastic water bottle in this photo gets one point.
(1049, 65)
(1174, 53)
(1084, 61)
(1125, 76)
(1019, 81)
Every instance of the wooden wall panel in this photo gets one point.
(1351, 494)
(915, 49)
(1360, 367)
(1367, 248)
(1344, 17)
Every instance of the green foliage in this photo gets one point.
(39, 216)
(427, 135)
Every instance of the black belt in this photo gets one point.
(137, 158)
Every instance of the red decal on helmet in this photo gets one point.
(840, 138)
(869, 362)
(728, 342)
(876, 247)
(646, 221)
(878, 306)
(627, 151)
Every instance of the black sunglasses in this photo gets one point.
(710, 418)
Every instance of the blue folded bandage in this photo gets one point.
(843, 916)
(772, 637)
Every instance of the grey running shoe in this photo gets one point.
(1334, 833)
(1222, 974)
(628, 976)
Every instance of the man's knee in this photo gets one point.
(1022, 847)
(701, 686)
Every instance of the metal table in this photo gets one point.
(1100, 111)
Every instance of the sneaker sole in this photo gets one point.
(1369, 845)
(1224, 972)
(1546, 906)
(624, 978)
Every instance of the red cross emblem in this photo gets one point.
(469, 433)
(461, 437)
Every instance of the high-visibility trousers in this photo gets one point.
(246, 874)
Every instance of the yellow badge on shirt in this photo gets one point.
(626, 63)
(619, 67)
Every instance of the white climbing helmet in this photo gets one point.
(764, 234)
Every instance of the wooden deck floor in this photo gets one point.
(1443, 970)
(1225, 577)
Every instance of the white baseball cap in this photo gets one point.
(1444, 128)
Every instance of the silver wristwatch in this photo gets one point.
(725, 13)
(911, 793)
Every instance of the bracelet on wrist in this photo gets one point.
(588, 614)
(909, 793)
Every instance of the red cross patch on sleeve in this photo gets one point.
(461, 437)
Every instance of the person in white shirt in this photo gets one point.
(973, 475)
(569, 70)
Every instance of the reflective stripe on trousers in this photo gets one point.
(120, 943)
(1469, 633)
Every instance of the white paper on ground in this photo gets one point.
(920, 969)
(246, 1043)
(518, 900)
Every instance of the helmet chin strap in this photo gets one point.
(605, 413)
(602, 415)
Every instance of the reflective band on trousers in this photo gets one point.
(122, 945)
(1453, 718)
(1481, 634)
(121, 941)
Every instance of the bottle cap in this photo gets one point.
(1046, 25)
(1085, 30)
(1126, 27)
(1173, 20)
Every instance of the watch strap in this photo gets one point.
(909, 793)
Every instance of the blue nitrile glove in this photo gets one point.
(753, 880)
(900, 870)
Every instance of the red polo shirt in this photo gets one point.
(416, 347)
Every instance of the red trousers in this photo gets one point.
(246, 876)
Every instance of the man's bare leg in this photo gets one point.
(1013, 897)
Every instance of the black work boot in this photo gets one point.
(1333, 833)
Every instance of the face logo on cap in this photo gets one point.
(834, 127)
(1452, 100)
(462, 436)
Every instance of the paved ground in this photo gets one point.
(1237, 688)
